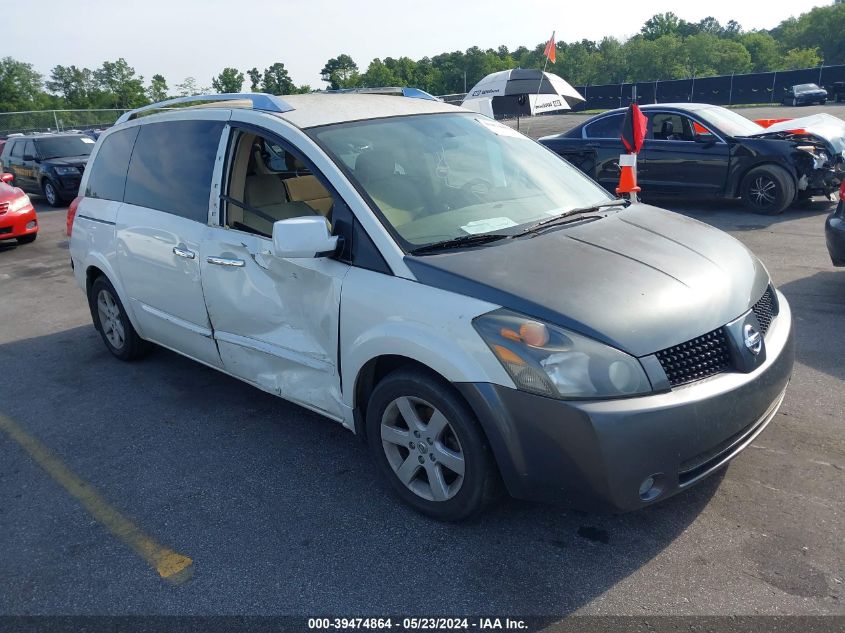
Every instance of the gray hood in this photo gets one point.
(640, 279)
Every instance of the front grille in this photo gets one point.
(766, 309)
(5, 229)
(698, 358)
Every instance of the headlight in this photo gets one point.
(551, 361)
(19, 203)
(66, 171)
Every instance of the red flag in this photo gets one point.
(633, 129)
(550, 49)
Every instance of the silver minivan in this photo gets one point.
(477, 310)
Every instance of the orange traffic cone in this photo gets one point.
(628, 176)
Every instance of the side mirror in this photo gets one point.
(28, 157)
(7, 178)
(704, 139)
(306, 237)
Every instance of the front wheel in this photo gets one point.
(52, 194)
(429, 446)
(767, 190)
(114, 326)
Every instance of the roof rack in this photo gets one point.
(257, 101)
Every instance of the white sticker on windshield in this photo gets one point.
(499, 128)
(87, 140)
(490, 224)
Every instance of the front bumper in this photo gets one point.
(595, 454)
(18, 224)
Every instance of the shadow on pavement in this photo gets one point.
(281, 509)
(818, 304)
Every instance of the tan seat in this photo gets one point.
(310, 190)
(266, 193)
(397, 196)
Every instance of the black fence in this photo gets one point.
(722, 90)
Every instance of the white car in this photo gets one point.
(472, 305)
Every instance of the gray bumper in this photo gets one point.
(595, 454)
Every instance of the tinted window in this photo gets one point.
(29, 149)
(107, 177)
(608, 127)
(172, 165)
(17, 149)
(62, 146)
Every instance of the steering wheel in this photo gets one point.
(478, 186)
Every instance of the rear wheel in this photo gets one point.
(429, 446)
(114, 326)
(52, 194)
(27, 239)
(767, 190)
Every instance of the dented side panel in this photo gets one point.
(276, 320)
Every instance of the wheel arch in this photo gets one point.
(98, 267)
(736, 188)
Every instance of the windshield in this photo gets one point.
(806, 87)
(728, 121)
(444, 176)
(64, 146)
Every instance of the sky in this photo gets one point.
(198, 38)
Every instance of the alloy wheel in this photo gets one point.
(50, 193)
(763, 191)
(422, 448)
(110, 320)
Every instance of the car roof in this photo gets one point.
(311, 110)
(690, 107)
(30, 137)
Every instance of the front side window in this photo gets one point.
(64, 146)
(438, 177)
(608, 127)
(268, 183)
(172, 166)
(107, 176)
(666, 126)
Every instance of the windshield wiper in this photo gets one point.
(458, 242)
(562, 218)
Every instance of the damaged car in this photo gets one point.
(705, 151)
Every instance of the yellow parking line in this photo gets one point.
(170, 565)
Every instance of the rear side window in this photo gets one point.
(107, 177)
(172, 166)
(608, 127)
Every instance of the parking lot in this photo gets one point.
(282, 512)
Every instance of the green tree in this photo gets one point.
(254, 79)
(822, 28)
(188, 88)
(277, 81)
(378, 74)
(20, 85)
(660, 25)
(119, 85)
(800, 58)
(74, 85)
(158, 89)
(340, 72)
(763, 48)
(230, 80)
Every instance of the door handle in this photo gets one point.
(225, 261)
(182, 252)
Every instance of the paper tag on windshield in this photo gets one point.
(87, 140)
(488, 225)
(499, 128)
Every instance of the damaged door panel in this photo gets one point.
(275, 320)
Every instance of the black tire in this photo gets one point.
(27, 239)
(51, 192)
(823, 101)
(132, 346)
(767, 190)
(480, 481)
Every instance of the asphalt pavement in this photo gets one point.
(282, 512)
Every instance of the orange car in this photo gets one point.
(17, 215)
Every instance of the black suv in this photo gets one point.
(51, 164)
